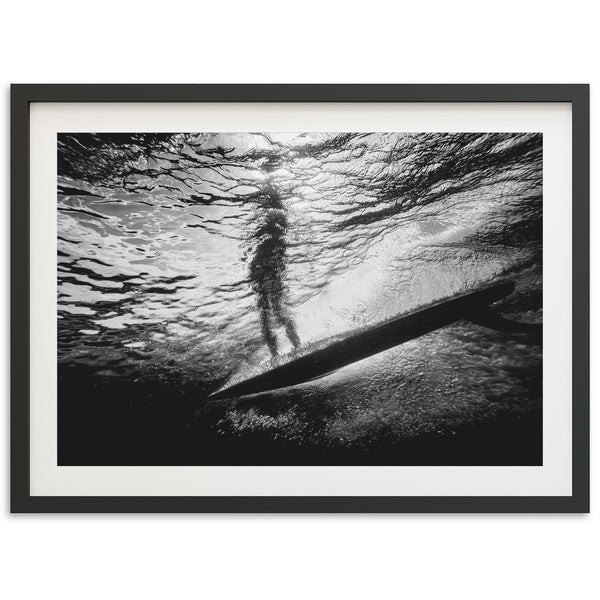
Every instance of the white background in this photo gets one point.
(468, 556)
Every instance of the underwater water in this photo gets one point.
(186, 261)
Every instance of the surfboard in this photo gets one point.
(332, 355)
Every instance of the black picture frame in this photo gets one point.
(22, 95)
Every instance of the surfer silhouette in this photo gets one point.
(267, 269)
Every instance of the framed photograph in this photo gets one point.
(300, 298)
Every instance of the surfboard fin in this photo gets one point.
(487, 317)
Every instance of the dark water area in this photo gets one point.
(186, 261)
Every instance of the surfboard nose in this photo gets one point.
(220, 394)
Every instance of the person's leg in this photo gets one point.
(290, 330)
(286, 321)
(267, 326)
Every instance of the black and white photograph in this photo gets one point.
(305, 298)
